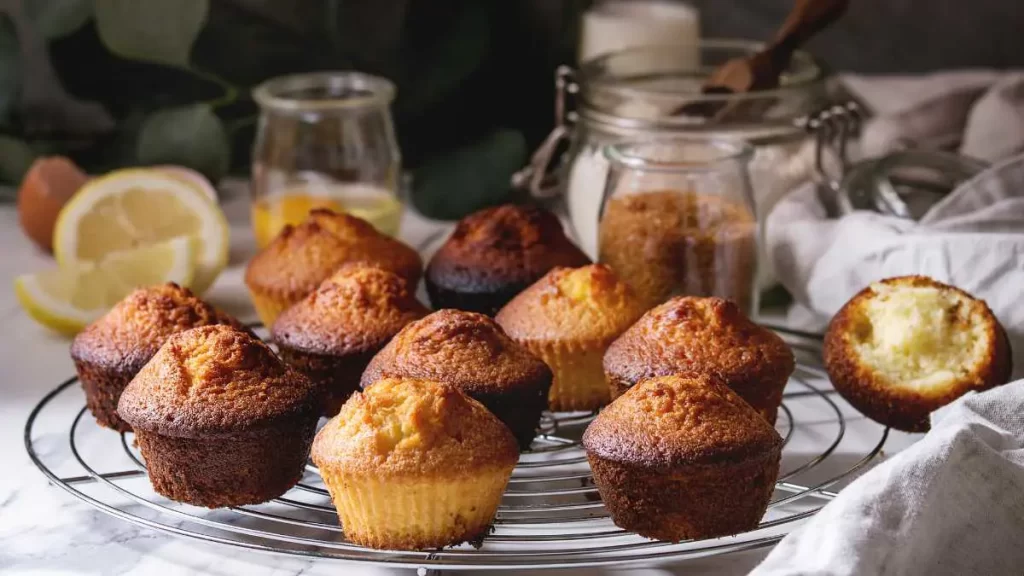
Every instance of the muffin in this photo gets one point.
(906, 346)
(220, 420)
(111, 351)
(703, 335)
(301, 257)
(494, 254)
(413, 464)
(568, 318)
(683, 457)
(331, 334)
(471, 352)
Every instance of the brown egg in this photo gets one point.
(47, 185)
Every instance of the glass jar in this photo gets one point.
(638, 93)
(677, 218)
(326, 140)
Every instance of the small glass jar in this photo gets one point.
(677, 217)
(325, 140)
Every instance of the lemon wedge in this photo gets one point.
(135, 207)
(69, 297)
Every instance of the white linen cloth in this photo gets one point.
(949, 504)
(973, 239)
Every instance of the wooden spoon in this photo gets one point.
(761, 70)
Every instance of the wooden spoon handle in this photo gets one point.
(807, 18)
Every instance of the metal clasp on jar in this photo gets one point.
(539, 177)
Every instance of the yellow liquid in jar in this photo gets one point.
(291, 206)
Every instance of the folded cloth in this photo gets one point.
(979, 113)
(949, 504)
(972, 239)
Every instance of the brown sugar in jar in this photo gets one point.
(667, 243)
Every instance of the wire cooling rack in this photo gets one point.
(551, 515)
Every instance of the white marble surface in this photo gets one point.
(43, 530)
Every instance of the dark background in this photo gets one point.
(475, 77)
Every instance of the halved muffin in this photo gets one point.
(689, 334)
(331, 334)
(413, 464)
(906, 346)
(568, 318)
(301, 257)
(680, 457)
(494, 254)
(110, 352)
(220, 420)
(471, 352)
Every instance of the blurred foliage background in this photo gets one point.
(113, 83)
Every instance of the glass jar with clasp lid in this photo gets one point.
(643, 93)
(325, 139)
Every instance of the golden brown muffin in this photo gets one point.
(301, 257)
(568, 318)
(471, 352)
(494, 254)
(220, 420)
(681, 457)
(906, 346)
(414, 464)
(110, 352)
(703, 335)
(332, 333)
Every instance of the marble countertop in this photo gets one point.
(43, 530)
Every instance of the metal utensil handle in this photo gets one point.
(540, 177)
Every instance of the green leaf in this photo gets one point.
(57, 18)
(153, 30)
(445, 58)
(458, 182)
(10, 65)
(191, 136)
(15, 158)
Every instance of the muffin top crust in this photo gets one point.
(464, 349)
(690, 333)
(303, 256)
(588, 304)
(495, 247)
(680, 420)
(403, 427)
(214, 381)
(359, 308)
(127, 336)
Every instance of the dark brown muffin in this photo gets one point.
(220, 420)
(332, 334)
(301, 257)
(494, 254)
(906, 346)
(472, 353)
(703, 335)
(681, 457)
(110, 351)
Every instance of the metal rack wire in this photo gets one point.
(551, 515)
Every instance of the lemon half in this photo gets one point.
(135, 207)
(70, 297)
